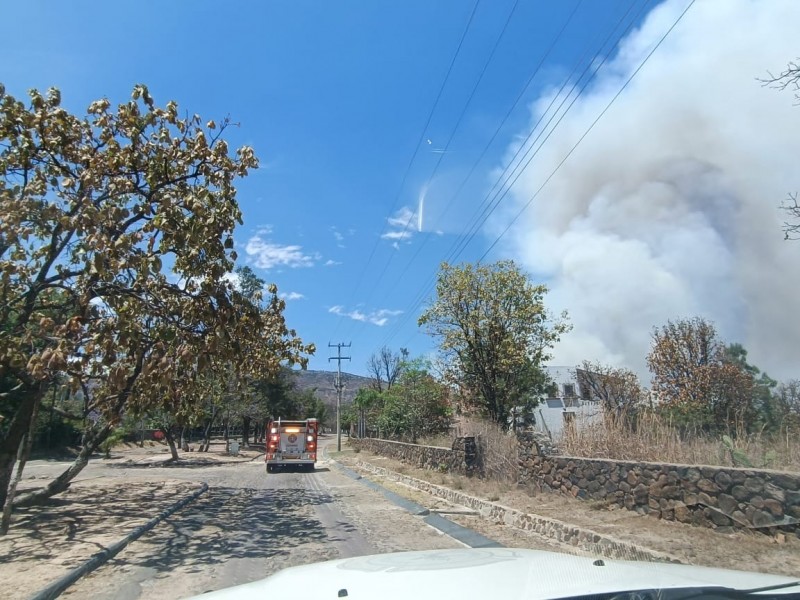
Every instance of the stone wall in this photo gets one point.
(701, 495)
(454, 460)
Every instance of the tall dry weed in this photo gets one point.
(655, 439)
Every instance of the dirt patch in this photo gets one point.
(693, 545)
(45, 542)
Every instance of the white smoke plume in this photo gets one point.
(669, 207)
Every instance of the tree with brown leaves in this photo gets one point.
(115, 240)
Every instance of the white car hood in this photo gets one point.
(489, 573)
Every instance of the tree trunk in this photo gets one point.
(184, 441)
(245, 432)
(207, 433)
(9, 444)
(91, 442)
(22, 457)
(171, 442)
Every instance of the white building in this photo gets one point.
(564, 402)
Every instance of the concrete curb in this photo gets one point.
(584, 539)
(466, 536)
(56, 588)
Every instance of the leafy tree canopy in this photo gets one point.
(494, 334)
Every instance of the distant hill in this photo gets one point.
(322, 383)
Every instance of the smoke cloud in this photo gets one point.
(669, 207)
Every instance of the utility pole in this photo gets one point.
(339, 385)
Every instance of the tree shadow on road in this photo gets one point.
(183, 463)
(69, 528)
(232, 523)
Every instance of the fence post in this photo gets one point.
(470, 455)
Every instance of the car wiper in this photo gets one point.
(737, 594)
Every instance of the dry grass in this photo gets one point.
(656, 440)
(497, 448)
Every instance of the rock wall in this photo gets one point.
(701, 495)
(454, 460)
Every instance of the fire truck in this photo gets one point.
(291, 444)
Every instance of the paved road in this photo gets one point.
(249, 525)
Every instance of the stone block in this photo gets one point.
(753, 484)
(672, 492)
(682, 514)
(719, 519)
(785, 482)
(632, 478)
(692, 475)
(757, 501)
(737, 477)
(704, 498)
(774, 492)
(723, 480)
(762, 519)
(708, 472)
(727, 504)
(708, 486)
(740, 493)
(641, 493)
(774, 507)
(625, 486)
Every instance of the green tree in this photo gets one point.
(494, 334)
(768, 412)
(366, 399)
(95, 212)
(249, 284)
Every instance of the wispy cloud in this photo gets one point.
(292, 296)
(402, 226)
(332, 263)
(338, 236)
(377, 317)
(268, 255)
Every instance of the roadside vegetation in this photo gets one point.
(704, 404)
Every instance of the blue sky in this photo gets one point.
(333, 96)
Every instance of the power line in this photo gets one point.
(600, 116)
(463, 240)
(460, 118)
(570, 152)
(520, 95)
(416, 151)
(531, 150)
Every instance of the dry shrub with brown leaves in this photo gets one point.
(655, 439)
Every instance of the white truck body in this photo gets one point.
(291, 444)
